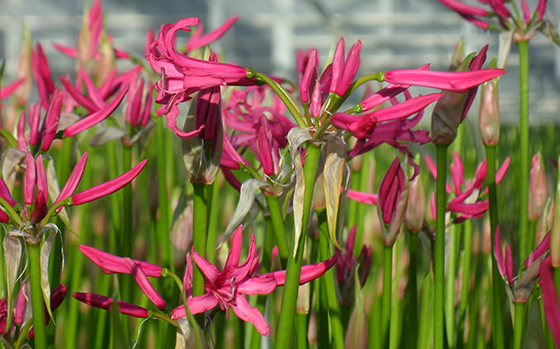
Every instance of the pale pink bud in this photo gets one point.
(538, 190)
(489, 117)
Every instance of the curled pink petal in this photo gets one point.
(108, 187)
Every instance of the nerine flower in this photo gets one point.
(226, 288)
(467, 193)
(182, 75)
(36, 190)
(392, 201)
(525, 23)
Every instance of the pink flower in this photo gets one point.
(197, 40)
(346, 263)
(467, 193)
(451, 81)
(111, 264)
(505, 265)
(392, 201)
(102, 302)
(6, 91)
(343, 72)
(144, 283)
(227, 288)
(108, 187)
(550, 298)
(42, 74)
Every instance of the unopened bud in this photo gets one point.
(538, 190)
(489, 117)
(302, 305)
(416, 207)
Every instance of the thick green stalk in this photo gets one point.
(295, 259)
(439, 259)
(329, 282)
(387, 295)
(412, 293)
(164, 223)
(126, 219)
(524, 147)
(425, 325)
(365, 179)
(323, 335)
(497, 284)
(518, 330)
(200, 230)
(34, 251)
(301, 322)
(213, 221)
(454, 233)
(278, 226)
(266, 259)
(467, 256)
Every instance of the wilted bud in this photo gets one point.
(202, 154)
(489, 117)
(538, 190)
(392, 201)
(319, 199)
(523, 286)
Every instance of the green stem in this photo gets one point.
(518, 325)
(467, 257)
(200, 230)
(284, 96)
(164, 222)
(365, 179)
(412, 293)
(301, 322)
(38, 303)
(295, 259)
(329, 282)
(126, 234)
(387, 294)
(524, 147)
(266, 259)
(213, 221)
(497, 284)
(454, 233)
(439, 259)
(278, 226)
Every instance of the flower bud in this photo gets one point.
(489, 117)
(538, 190)
(416, 209)
(392, 201)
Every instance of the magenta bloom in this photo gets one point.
(344, 71)
(227, 288)
(102, 302)
(550, 298)
(108, 187)
(505, 265)
(526, 22)
(111, 264)
(451, 81)
(467, 193)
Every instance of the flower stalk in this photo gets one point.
(39, 330)
(295, 259)
(523, 148)
(439, 262)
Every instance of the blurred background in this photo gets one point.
(396, 34)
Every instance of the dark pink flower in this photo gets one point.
(505, 265)
(227, 288)
(344, 71)
(144, 283)
(102, 302)
(197, 40)
(108, 187)
(451, 81)
(111, 264)
(550, 298)
(392, 201)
